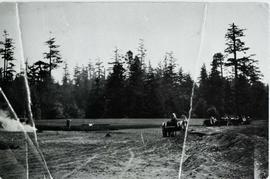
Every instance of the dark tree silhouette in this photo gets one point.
(234, 45)
(134, 88)
(38, 72)
(152, 102)
(7, 53)
(244, 64)
(216, 87)
(66, 77)
(142, 52)
(202, 93)
(169, 81)
(115, 90)
(203, 83)
(131, 89)
(95, 103)
(53, 55)
(219, 61)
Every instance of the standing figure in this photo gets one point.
(173, 123)
(174, 119)
(184, 122)
(213, 120)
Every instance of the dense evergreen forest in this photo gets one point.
(132, 88)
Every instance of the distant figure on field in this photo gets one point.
(68, 123)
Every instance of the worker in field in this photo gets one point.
(173, 119)
(172, 122)
(183, 122)
(213, 120)
(184, 117)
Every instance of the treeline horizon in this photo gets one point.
(134, 89)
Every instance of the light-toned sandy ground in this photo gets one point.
(213, 152)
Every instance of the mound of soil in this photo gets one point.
(232, 153)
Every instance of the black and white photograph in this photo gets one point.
(134, 90)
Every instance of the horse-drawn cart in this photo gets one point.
(170, 128)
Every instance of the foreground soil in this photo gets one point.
(211, 152)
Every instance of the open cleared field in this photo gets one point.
(213, 152)
(125, 123)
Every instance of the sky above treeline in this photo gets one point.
(90, 31)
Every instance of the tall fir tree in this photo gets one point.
(203, 83)
(219, 60)
(216, 87)
(7, 53)
(169, 84)
(235, 45)
(202, 93)
(53, 55)
(95, 104)
(142, 53)
(38, 72)
(134, 88)
(115, 90)
(66, 76)
(152, 101)
(237, 48)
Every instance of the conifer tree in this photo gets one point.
(142, 53)
(66, 77)
(53, 55)
(115, 89)
(38, 72)
(7, 53)
(219, 60)
(235, 45)
(152, 102)
(216, 87)
(134, 88)
(243, 65)
(203, 83)
(169, 83)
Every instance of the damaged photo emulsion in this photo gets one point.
(134, 90)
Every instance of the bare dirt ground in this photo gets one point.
(212, 152)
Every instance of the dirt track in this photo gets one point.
(214, 152)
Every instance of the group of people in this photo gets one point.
(228, 120)
(242, 119)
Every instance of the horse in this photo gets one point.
(182, 124)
